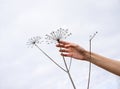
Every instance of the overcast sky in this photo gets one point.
(27, 68)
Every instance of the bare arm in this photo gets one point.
(73, 50)
(105, 63)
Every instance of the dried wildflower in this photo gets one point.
(56, 36)
(34, 40)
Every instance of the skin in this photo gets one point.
(69, 49)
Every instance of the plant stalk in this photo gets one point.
(68, 72)
(50, 57)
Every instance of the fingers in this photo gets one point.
(63, 44)
(60, 45)
(65, 50)
(66, 55)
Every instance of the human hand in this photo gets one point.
(71, 50)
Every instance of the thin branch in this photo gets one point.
(68, 72)
(89, 75)
(90, 64)
(70, 63)
(49, 57)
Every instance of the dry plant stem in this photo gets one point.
(90, 64)
(70, 63)
(89, 75)
(68, 72)
(50, 58)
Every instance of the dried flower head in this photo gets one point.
(56, 36)
(34, 40)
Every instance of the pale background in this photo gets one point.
(27, 68)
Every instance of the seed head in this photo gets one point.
(56, 36)
(34, 40)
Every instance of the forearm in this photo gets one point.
(105, 63)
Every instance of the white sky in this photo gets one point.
(25, 68)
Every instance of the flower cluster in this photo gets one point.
(53, 37)
(34, 40)
(56, 36)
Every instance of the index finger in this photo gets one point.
(63, 42)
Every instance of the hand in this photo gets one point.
(71, 50)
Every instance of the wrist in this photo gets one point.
(86, 55)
